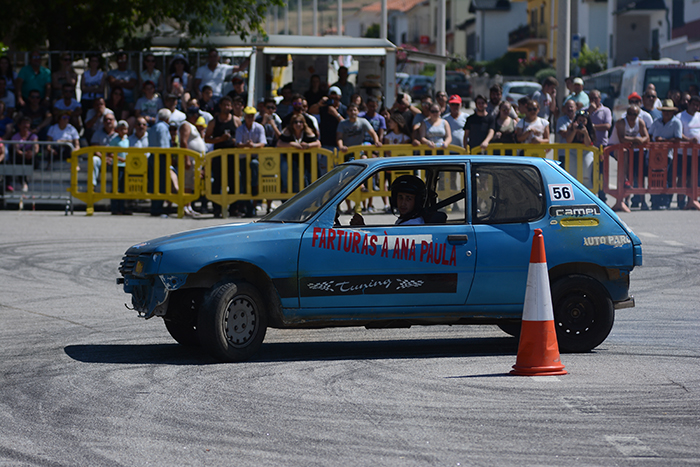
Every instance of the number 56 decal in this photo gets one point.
(561, 192)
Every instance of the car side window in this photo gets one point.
(503, 193)
(443, 198)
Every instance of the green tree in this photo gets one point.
(590, 61)
(107, 24)
(373, 31)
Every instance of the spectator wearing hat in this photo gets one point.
(180, 81)
(636, 100)
(249, 135)
(239, 88)
(212, 74)
(148, 104)
(578, 95)
(666, 129)
(456, 119)
(33, 77)
(331, 111)
(632, 129)
(123, 77)
(346, 88)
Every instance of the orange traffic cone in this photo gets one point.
(538, 351)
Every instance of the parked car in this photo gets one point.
(418, 86)
(514, 90)
(456, 83)
(305, 266)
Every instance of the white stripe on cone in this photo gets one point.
(538, 298)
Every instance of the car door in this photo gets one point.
(381, 264)
(508, 202)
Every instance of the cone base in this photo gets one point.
(538, 371)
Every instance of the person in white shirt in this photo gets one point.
(690, 118)
(212, 74)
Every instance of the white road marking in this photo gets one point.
(647, 234)
(630, 446)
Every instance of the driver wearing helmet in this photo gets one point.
(407, 197)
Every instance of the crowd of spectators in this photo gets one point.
(120, 107)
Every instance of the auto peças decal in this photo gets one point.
(386, 246)
(610, 240)
(378, 284)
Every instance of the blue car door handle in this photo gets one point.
(457, 239)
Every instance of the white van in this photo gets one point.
(617, 83)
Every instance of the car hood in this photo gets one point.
(189, 251)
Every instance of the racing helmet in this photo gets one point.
(413, 186)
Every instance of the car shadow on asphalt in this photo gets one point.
(175, 354)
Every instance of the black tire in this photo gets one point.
(232, 322)
(583, 313)
(181, 317)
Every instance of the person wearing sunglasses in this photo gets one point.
(123, 77)
(532, 129)
(270, 121)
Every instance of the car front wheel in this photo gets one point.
(583, 313)
(233, 321)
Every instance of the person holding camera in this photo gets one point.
(581, 131)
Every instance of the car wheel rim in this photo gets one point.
(241, 321)
(576, 314)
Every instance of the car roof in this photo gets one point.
(454, 159)
(521, 83)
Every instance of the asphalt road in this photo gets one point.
(84, 382)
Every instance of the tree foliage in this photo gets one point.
(589, 61)
(107, 24)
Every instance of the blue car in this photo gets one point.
(460, 256)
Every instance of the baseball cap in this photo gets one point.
(335, 90)
(578, 81)
(634, 96)
(200, 122)
(455, 99)
(250, 110)
(122, 123)
(237, 77)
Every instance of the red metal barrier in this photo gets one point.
(661, 177)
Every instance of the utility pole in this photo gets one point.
(340, 17)
(563, 47)
(315, 13)
(299, 22)
(441, 44)
(383, 26)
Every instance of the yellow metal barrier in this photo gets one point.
(262, 173)
(140, 164)
(586, 158)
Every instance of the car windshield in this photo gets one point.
(315, 196)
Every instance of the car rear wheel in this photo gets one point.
(232, 322)
(583, 313)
